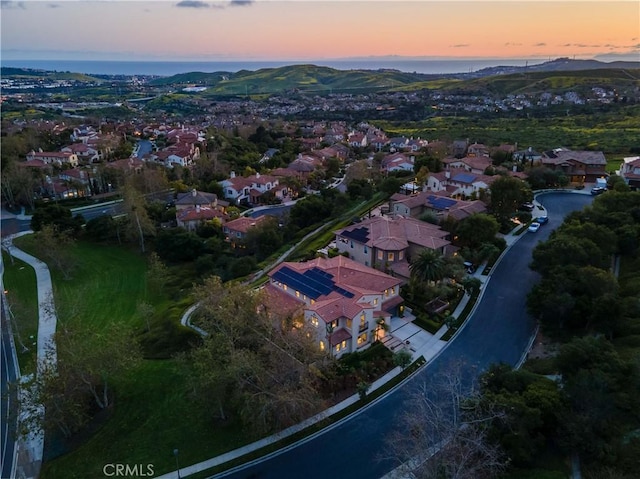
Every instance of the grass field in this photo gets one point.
(152, 414)
(20, 284)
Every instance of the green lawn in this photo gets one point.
(22, 296)
(152, 417)
(152, 414)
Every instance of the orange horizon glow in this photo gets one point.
(321, 30)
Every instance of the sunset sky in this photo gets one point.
(307, 29)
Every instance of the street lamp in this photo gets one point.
(175, 453)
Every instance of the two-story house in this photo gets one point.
(578, 166)
(397, 162)
(195, 207)
(630, 171)
(348, 304)
(248, 190)
(443, 207)
(58, 158)
(472, 164)
(387, 243)
(235, 231)
(459, 182)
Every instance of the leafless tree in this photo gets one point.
(443, 432)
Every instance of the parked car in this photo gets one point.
(526, 206)
(470, 268)
(533, 227)
(598, 190)
(543, 220)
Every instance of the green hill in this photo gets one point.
(537, 82)
(304, 78)
(317, 79)
(26, 73)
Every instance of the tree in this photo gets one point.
(507, 193)
(601, 388)
(54, 247)
(58, 216)
(138, 224)
(265, 239)
(532, 408)
(429, 266)
(259, 359)
(402, 358)
(79, 383)
(442, 433)
(477, 229)
(178, 244)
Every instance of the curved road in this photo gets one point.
(498, 331)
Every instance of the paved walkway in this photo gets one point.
(30, 448)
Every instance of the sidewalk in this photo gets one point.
(30, 449)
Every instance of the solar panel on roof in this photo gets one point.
(440, 202)
(312, 283)
(464, 177)
(361, 234)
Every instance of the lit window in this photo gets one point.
(297, 294)
(349, 323)
(314, 321)
(390, 256)
(380, 255)
(386, 292)
(322, 346)
(375, 301)
(362, 339)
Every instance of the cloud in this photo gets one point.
(240, 3)
(53, 5)
(461, 45)
(541, 44)
(9, 4)
(192, 4)
(512, 44)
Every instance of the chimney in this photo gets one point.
(233, 174)
(257, 175)
(194, 193)
(197, 208)
(447, 174)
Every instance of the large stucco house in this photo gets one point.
(387, 243)
(348, 304)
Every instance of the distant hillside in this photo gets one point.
(304, 78)
(559, 64)
(26, 73)
(557, 74)
(556, 81)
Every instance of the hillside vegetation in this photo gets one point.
(316, 79)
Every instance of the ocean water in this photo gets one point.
(168, 68)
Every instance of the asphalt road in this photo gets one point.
(498, 331)
(8, 428)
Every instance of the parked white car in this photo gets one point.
(533, 227)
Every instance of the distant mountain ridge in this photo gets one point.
(558, 74)
(559, 64)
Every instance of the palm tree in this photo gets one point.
(429, 266)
